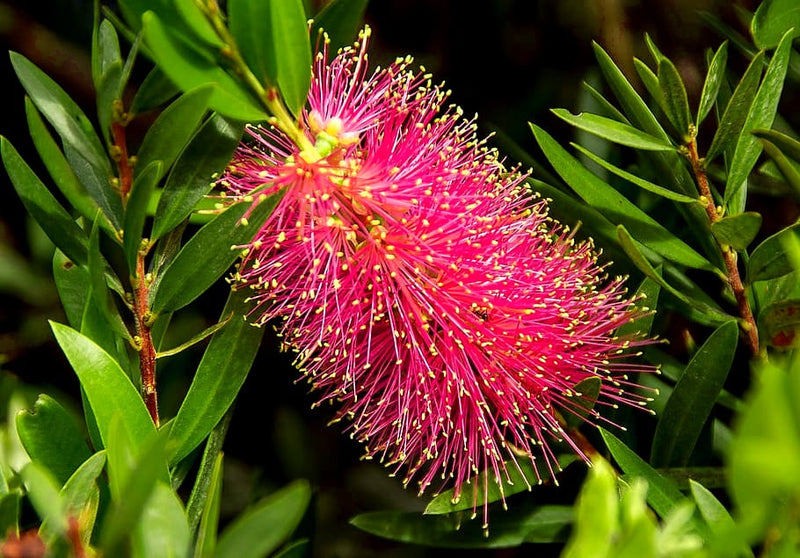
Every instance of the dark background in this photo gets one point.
(509, 61)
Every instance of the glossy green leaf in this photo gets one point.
(788, 169)
(221, 373)
(162, 529)
(730, 125)
(172, 129)
(190, 179)
(693, 398)
(51, 438)
(615, 206)
(663, 495)
(341, 20)
(769, 259)
(58, 167)
(44, 493)
(520, 475)
(772, 19)
(107, 387)
(788, 145)
(523, 523)
(101, 301)
(711, 85)
(107, 76)
(289, 31)
(761, 114)
(208, 254)
(98, 184)
(676, 103)
(613, 130)
(635, 180)
(72, 282)
(189, 68)
(206, 541)
(779, 323)
(263, 527)
(251, 26)
(136, 210)
(42, 206)
(198, 23)
(155, 90)
(737, 231)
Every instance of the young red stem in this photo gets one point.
(748, 325)
(123, 163)
(147, 352)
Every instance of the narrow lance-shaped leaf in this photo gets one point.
(737, 231)
(251, 26)
(716, 72)
(57, 224)
(761, 115)
(690, 405)
(675, 100)
(136, 211)
(341, 20)
(206, 541)
(789, 170)
(650, 81)
(291, 40)
(788, 145)
(613, 130)
(769, 259)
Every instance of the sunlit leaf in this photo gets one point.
(675, 100)
(613, 130)
(772, 19)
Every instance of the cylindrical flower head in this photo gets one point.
(424, 289)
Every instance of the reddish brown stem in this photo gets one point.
(147, 352)
(123, 163)
(748, 324)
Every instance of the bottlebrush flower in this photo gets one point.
(424, 290)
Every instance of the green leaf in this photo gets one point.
(730, 125)
(9, 512)
(520, 475)
(51, 438)
(614, 131)
(209, 520)
(198, 23)
(773, 18)
(607, 200)
(289, 30)
(295, 549)
(221, 373)
(107, 76)
(195, 339)
(535, 524)
(251, 26)
(650, 81)
(779, 323)
(676, 104)
(769, 259)
(788, 169)
(208, 254)
(107, 387)
(690, 405)
(190, 179)
(42, 206)
(101, 301)
(205, 475)
(737, 231)
(43, 492)
(341, 20)
(155, 90)
(596, 514)
(635, 180)
(172, 129)
(263, 527)
(72, 282)
(136, 210)
(190, 68)
(761, 114)
(162, 529)
(647, 293)
(714, 77)
(714, 513)
(788, 145)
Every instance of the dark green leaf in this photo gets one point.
(788, 145)
(72, 282)
(219, 376)
(43, 207)
(536, 524)
(204, 480)
(730, 126)
(52, 439)
(779, 323)
(155, 90)
(98, 184)
(291, 41)
(208, 254)
(107, 387)
(190, 179)
(263, 527)
(650, 81)
(737, 231)
(613, 130)
(295, 549)
(251, 26)
(760, 115)
(520, 475)
(58, 167)
(769, 259)
(107, 76)
(209, 520)
(136, 210)
(189, 68)
(633, 179)
(100, 295)
(341, 20)
(716, 72)
(691, 402)
(195, 339)
(647, 297)
(788, 169)
(675, 102)
(616, 207)
(172, 129)
(773, 18)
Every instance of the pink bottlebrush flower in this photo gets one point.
(424, 291)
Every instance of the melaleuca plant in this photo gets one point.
(460, 313)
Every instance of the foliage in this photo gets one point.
(665, 183)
